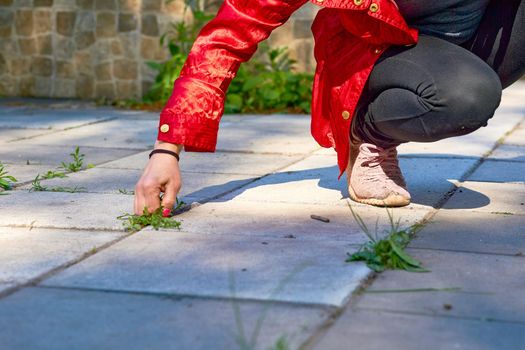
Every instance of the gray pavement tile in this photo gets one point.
(475, 144)
(55, 119)
(491, 287)
(7, 135)
(314, 181)
(68, 319)
(509, 152)
(283, 220)
(28, 253)
(517, 137)
(218, 162)
(499, 171)
(373, 330)
(20, 153)
(195, 187)
(180, 263)
(64, 210)
(473, 232)
(286, 134)
(119, 133)
(488, 197)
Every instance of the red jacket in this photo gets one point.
(349, 37)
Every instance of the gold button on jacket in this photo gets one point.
(345, 115)
(164, 128)
(374, 7)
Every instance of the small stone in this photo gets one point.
(150, 25)
(290, 236)
(66, 22)
(264, 243)
(24, 22)
(106, 25)
(43, 3)
(319, 218)
(42, 66)
(127, 22)
(125, 69)
(447, 307)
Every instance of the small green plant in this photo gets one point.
(389, 252)
(124, 191)
(51, 174)
(36, 186)
(6, 180)
(76, 164)
(134, 223)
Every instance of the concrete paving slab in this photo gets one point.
(473, 232)
(314, 181)
(197, 187)
(475, 144)
(67, 319)
(182, 263)
(499, 171)
(55, 119)
(293, 221)
(509, 153)
(489, 197)
(7, 134)
(517, 137)
(64, 210)
(21, 152)
(284, 134)
(491, 287)
(29, 253)
(119, 133)
(218, 162)
(24, 172)
(374, 330)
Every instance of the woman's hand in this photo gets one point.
(162, 174)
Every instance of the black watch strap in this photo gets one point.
(165, 151)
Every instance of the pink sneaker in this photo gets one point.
(374, 176)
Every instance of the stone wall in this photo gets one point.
(99, 48)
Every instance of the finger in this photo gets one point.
(139, 200)
(169, 198)
(151, 198)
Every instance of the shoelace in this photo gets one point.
(381, 160)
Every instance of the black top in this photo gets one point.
(452, 20)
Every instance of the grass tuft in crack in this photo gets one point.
(6, 180)
(389, 252)
(134, 223)
(51, 174)
(36, 186)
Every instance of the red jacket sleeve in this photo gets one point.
(192, 114)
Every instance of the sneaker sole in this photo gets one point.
(393, 200)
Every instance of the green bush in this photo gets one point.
(265, 84)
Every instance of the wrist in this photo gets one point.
(168, 146)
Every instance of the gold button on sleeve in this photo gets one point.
(345, 115)
(374, 7)
(164, 128)
(319, 1)
(358, 2)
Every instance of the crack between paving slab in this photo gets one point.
(50, 227)
(426, 314)
(36, 280)
(459, 251)
(65, 129)
(179, 296)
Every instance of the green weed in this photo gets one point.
(51, 174)
(124, 191)
(76, 164)
(36, 186)
(389, 252)
(6, 180)
(134, 223)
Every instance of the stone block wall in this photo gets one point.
(99, 48)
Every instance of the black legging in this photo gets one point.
(437, 89)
